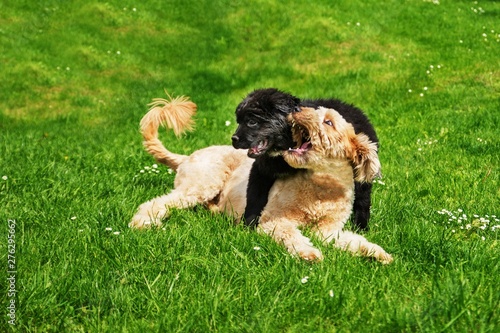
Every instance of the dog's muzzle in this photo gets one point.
(254, 150)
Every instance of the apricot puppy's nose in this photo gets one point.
(235, 138)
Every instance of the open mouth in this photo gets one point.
(301, 136)
(259, 149)
(306, 146)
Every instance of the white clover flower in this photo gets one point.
(330, 293)
(256, 248)
(304, 279)
(116, 233)
(108, 229)
(5, 177)
(227, 123)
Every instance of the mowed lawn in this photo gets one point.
(76, 78)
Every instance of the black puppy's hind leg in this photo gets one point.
(362, 203)
(258, 189)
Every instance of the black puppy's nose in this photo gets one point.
(235, 139)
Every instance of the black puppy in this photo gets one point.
(265, 132)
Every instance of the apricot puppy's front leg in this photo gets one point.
(286, 232)
(359, 245)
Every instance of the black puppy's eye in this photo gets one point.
(252, 123)
(328, 122)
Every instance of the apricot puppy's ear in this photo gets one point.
(365, 159)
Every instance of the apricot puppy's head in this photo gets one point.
(323, 136)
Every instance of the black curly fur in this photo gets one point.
(262, 116)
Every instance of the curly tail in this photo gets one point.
(174, 113)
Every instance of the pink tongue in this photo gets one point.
(305, 145)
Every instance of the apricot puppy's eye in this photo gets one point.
(329, 122)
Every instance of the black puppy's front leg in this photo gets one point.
(258, 189)
(362, 202)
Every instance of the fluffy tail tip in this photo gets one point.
(174, 113)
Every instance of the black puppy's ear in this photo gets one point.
(287, 103)
(296, 104)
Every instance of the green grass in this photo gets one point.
(76, 77)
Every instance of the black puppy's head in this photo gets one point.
(262, 122)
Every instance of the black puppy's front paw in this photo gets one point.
(251, 221)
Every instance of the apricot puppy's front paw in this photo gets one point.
(376, 252)
(140, 222)
(380, 255)
(310, 253)
(385, 258)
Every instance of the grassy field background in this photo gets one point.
(76, 77)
